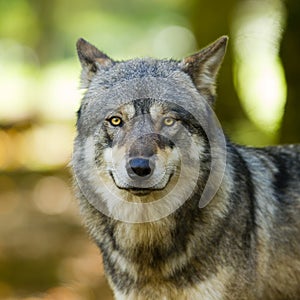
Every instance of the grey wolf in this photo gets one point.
(138, 121)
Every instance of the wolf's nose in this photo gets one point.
(140, 167)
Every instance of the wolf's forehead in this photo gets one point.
(140, 107)
(156, 110)
(128, 109)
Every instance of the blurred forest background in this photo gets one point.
(44, 251)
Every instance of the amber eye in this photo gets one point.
(115, 121)
(168, 121)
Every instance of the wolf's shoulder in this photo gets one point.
(280, 153)
(292, 149)
(287, 156)
(275, 169)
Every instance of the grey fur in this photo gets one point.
(245, 244)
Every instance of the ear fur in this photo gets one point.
(204, 65)
(91, 60)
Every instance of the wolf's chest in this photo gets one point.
(210, 289)
(154, 273)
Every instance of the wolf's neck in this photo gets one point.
(180, 250)
(188, 244)
(170, 245)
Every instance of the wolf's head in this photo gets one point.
(140, 125)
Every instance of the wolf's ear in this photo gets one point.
(203, 66)
(91, 60)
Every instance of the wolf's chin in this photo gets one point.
(139, 191)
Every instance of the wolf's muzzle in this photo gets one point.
(140, 167)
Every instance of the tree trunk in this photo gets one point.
(290, 52)
(210, 20)
(49, 45)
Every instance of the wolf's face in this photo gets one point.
(139, 125)
(139, 153)
(140, 147)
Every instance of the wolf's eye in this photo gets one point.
(115, 121)
(168, 121)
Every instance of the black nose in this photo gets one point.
(140, 167)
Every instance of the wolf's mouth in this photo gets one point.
(139, 191)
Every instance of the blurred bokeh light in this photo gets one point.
(260, 78)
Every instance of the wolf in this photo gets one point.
(143, 154)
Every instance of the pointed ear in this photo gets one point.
(203, 66)
(91, 60)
